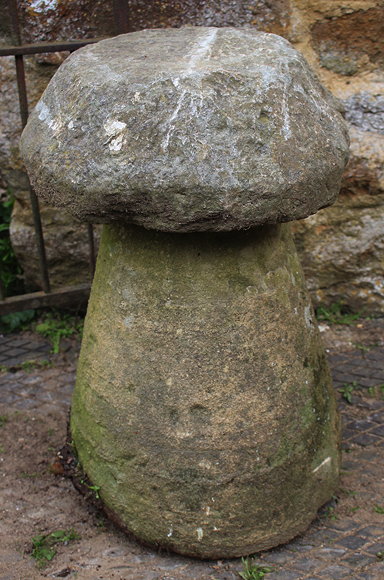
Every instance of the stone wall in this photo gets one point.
(342, 247)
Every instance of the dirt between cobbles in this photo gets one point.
(346, 540)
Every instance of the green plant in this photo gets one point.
(10, 271)
(16, 320)
(253, 571)
(380, 555)
(365, 347)
(329, 513)
(379, 509)
(56, 326)
(3, 420)
(42, 545)
(377, 391)
(30, 365)
(94, 488)
(337, 313)
(347, 391)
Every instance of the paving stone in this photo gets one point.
(365, 440)
(307, 564)
(373, 530)
(283, 575)
(329, 553)
(335, 572)
(378, 430)
(358, 560)
(279, 557)
(345, 525)
(352, 542)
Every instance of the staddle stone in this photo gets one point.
(185, 130)
(203, 407)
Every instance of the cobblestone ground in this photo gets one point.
(346, 540)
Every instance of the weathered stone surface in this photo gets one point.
(342, 247)
(263, 14)
(203, 407)
(66, 243)
(187, 130)
(344, 44)
(365, 111)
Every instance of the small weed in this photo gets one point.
(43, 550)
(30, 365)
(94, 488)
(380, 555)
(365, 347)
(16, 320)
(2, 450)
(329, 513)
(253, 571)
(379, 509)
(337, 313)
(3, 420)
(26, 475)
(56, 326)
(355, 509)
(349, 492)
(377, 391)
(347, 390)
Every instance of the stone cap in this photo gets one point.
(190, 129)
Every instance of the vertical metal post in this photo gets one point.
(2, 290)
(121, 16)
(92, 254)
(23, 101)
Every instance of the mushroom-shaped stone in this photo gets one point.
(203, 408)
(187, 130)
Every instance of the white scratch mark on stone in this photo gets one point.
(322, 464)
(70, 125)
(200, 50)
(170, 532)
(43, 111)
(286, 128)
(200, 534)
(171, 127)
(45, 115)
(207, 510)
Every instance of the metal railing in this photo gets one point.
(71, 294)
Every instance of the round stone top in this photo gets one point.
(189, 129)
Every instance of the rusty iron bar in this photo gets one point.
(121, 16)
(13, 9)
(62, 46)
(68, 295)
(2, 290)
(92, 253)
(23, 102)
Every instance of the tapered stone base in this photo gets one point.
(203, 407)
